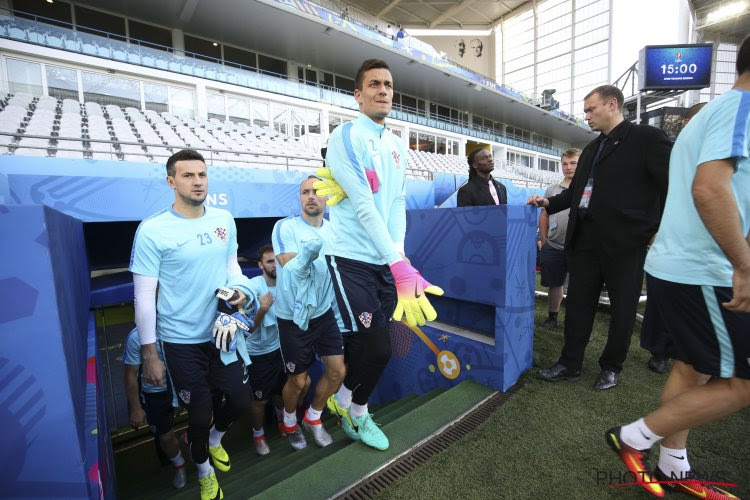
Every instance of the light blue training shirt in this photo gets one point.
(684, 251)
(303, 289)
(366, 226)
(266, 338)
(189, 258)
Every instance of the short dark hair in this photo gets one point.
(264, 250)
(743, 56)
(607, 92)
(182, 155)
(471, 156)
(366, 66)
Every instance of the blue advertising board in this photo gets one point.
(675, 67)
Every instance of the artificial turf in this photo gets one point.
(547, 441)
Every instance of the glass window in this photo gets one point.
(420, 107)
(409, 103)
(62, 83)
(412, 140)
(239, 109)
(280, 118)
(150, 35)
(313, 121)
(24, 76)
(298, 122)
(344, 84)
(203, 49)
(215, 106)
(333, 122)
(182, 102)
(311, 77)
(426, 143)
(326, 79)
(108, 89)
(55, 13)
(100, 23)
(156, 97)
(277, 67)
(260, 113)
(242, 58)
(441, 145)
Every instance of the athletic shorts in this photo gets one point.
(553, 266)
(267, 375)
(197, 369)
(159, 411)
(299, 347)
(704, 334)
(365, 293)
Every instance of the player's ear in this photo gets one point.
(170, 181)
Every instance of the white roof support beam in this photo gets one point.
(448, 13)
(387, 8)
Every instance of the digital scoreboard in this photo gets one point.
(675, 67)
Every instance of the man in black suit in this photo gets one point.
(481, 189)
(616, 200)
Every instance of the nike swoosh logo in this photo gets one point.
(699, 494)
(416, 291)
(675, 456)
(183, 243)
(644, 436)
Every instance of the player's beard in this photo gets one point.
(272, 274)
(313, 212)
(194, 201)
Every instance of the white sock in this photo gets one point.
(357, 410)
(177, 460)
(673, 462)
(312, 414)
(258, 433)
(290, 419)
(637, 435)
(204, 469)
(344, 397)
(214, 437)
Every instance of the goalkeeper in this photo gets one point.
(373, 280)
(190, 251)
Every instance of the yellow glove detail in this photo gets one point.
(328, 187)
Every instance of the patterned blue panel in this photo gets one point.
(41, 398)
(445, 185)
(419, 194)
(461, 250)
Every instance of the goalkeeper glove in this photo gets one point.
(229, 319)
(327, 187)
(410, 289)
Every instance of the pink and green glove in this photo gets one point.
(410, 289)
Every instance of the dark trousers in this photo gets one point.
(590, 267)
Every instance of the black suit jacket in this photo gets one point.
(476, 193)
(630, 187)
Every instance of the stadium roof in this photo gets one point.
(442, 14)
(268, 29)
(727, 18)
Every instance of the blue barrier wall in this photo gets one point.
(483, 258)
(118, 191)
(44, 347)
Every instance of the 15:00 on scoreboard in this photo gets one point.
(675, 67)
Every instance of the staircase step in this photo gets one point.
(356, 461)
(247, 467)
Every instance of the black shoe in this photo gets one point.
(550, 324)
(606, 380)
(657, 365)
(558, 372)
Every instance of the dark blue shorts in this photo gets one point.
(267, 376)
(553, 266)
(159, 411)
(197, 370)
(703, 334)
(299, 347)
(365, 293)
